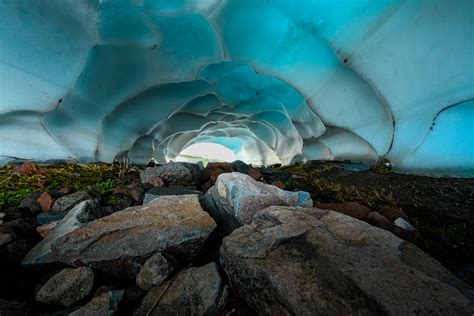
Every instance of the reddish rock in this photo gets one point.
(352, 209)
(377, 220)
(279, 184)
(226, 166)
(254, 173)
(157, 182)
(28, 168)
(391, 213)
(45, 230)
(45, 201)
(215, 173)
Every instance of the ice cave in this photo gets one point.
(236, 157)
(274, 81)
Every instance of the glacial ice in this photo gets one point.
(273, 81)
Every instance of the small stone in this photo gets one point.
(31, 203)
(6, 238)
(103, 304)
(45, 230)
(154, 272)
(157, 182)
(67, 287)
(45, 201)
(67, 202)
(380, 221)
(400, 222)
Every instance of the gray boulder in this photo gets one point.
(302, 261)
(195, 291)
(156, 270)
(41, 253)
(67, 202)
(155, 192)
(120, 243)
(236, 197)
(182, 174)
(67, 287)
(104, 304)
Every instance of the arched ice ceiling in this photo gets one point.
(272, 80)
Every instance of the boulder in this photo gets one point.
(183, 174)
(298, 261)
(67, 202)
(156, 192)
(195, 291)
(46, 218)
(236, 197)
(119, 244)
(240, 166)
(352, 209)
(28, 168)
(67, 287)
(103, 304)
(156, 270)
(41, 253)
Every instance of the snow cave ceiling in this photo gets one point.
(274, 81)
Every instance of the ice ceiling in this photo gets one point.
(275, 81)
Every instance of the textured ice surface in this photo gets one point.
(273, 81)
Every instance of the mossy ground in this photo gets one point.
(76, 177)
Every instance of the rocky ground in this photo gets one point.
(179, 239)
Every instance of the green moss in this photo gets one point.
(75, 177)
(316, 178)
(382, 169)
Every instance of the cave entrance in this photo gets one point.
(206, 152)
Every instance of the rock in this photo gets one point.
(46, 218)
(315, 262)
(279, 184)
(175, 174)
(14, 213)
(391, 213)
(12, 308)
(6, 237)
(67, 202)
(157, 182)
(45, 201)
(45, 230)
(195, 291)
(154, 193)
(41, 253)
(236, 197)
(215, 174)
(119, 244)
(67, 287)
(240, 166)
(31, 204)
(104, 304)
(28, 168)
(352, 209)
(18, 249)
(400, 222)
(25, 226)
(154, 272)
(380, 221)
(254, 174)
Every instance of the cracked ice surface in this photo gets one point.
(273, 81)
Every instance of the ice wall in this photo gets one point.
(274, 81)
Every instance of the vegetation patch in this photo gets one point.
(75, 177)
